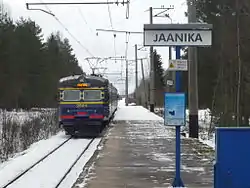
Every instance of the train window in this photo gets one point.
(71, 95)
(89, 95)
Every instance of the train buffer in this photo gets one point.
(139, 151)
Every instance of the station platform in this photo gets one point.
(139, 152)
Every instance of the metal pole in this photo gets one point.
(172, 73)
(2, 10)
(192, 78)
(178, 181)
(79, 3)
(126, 85)
(144, 84)
(152, 75)
(136, 70)
(239, 64)
(170, 52)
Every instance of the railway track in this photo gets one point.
(74, 163)
(52, 169)
(36, 163)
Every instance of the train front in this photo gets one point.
(81, 108)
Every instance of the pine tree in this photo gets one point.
(159, 79)
(29, 68)
(218, 66)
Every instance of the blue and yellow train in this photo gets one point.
(86, 104)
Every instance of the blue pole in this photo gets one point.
(177, 180)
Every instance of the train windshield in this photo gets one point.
(92, 95)
(71, 95)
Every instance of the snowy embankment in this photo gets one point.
(50, 171)
(204, 124)
(21, 115)
(19, 129)
(23, 160)
(38, 125)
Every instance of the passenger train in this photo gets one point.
(86, 104)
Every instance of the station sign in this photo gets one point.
(177, 34)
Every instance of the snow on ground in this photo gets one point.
(204, 117)
(121, 103)
(147, 131)
(204, 120)
(134, 113)
(19, 116)
(14, 166)
(20, 128)
(204, 123)
(210, 142)
(76, 171)
(49, 172)
(23, 160)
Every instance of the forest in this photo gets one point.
(30, 68)
(223, 68)
(31, 65)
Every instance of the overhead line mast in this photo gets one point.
(80, 3)
(75, 3)
(127, 33)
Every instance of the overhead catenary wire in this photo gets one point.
(127, 42)
(111, 24)
(83, 18)
(67, 30)
(126, 48)
(126, 51)
(110, 17)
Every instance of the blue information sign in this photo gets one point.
(175, 109)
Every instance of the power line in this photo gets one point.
(75, 3)
(122, 20)
(82, 16)
(126, 53)
(163, 13)
(66, 29)
(82, 3)
(110, 17)
(127, 41)
(119, 31)
(111, 24)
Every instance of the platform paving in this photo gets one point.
(141, 154)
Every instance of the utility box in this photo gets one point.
(232, 163)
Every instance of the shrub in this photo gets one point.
(17, 135)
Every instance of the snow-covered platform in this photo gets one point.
(139, 151)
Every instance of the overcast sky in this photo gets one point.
(83, 20)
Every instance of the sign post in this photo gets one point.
(177, 180)
(175, 115)
(193, 34)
